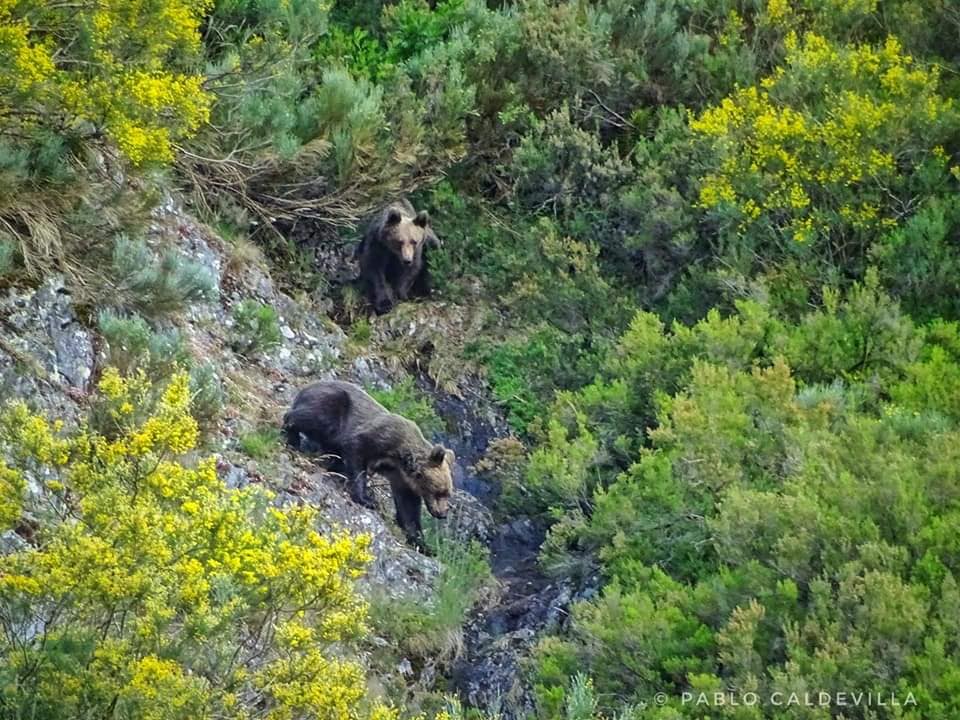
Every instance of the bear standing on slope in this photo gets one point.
(392, 255)
(344, 420)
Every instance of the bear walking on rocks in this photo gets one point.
(344, 420)
(392, 255)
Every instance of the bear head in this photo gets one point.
(432, 478)
(405, 236)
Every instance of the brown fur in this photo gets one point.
(344, 420)
(392, 255)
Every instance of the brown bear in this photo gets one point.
(344, 420)
(392, 255)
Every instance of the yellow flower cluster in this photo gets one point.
(311, 685)
(118, 77)
(28, 64)
(812, 150)
(171, 576)
(789, 14)
(12, 487)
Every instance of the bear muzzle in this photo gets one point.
(439, 508)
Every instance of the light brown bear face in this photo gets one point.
(405, 236)
(434, 481)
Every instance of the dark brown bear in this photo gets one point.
(392, 255)
(344, 420)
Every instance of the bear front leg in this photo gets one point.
(406, 283)
(383, 296)
(408, 505)
(359, 492)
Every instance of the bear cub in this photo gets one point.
(344, 420)
(392, 255)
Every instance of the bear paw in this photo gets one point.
(364, 500)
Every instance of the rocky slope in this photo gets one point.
(52, 358)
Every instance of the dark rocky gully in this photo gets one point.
(498, 637)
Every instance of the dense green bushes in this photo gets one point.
(790, 499)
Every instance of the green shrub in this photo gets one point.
(769, 511)
(525, 372)
(207, 396)
(256, 327)
(559, 474)
(133, 345)
(158, 286)
(404, 398)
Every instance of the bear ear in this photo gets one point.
(437, 454)
(394, 217)
(450, 457)
(422, 219)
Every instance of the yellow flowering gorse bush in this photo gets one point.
(117, 67)
(148, 589)
(828, 146)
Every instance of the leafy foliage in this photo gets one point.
(114, 68)
(786, 507)
(133, 345)
(157, 285)
(714, 246)
(404, 398)
(838, 144)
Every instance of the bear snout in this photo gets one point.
(439, 508)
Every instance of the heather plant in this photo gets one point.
(159, 591)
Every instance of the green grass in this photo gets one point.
(260, 444)
(432, 627)
(361, 332)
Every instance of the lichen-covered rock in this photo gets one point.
(46, 355)
(396, 570)
(43, 327)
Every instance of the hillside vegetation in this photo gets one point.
(703, 255)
